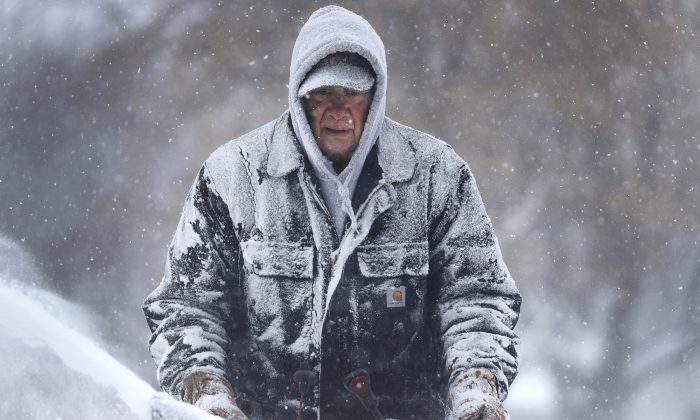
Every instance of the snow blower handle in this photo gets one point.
(357, 382)
(305, 379)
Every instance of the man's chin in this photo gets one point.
(338, 142)
(337, 155)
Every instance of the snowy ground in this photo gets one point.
(53, 371)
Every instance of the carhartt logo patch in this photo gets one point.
(396, 297)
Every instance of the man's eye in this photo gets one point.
(319, 96)
(356, 95)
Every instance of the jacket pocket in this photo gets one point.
(393, 260)
(279, 259)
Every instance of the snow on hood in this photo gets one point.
(329, 30)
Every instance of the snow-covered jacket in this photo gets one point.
(259, 286)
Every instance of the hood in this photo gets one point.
(329, 30)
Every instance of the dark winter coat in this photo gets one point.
(246, 286)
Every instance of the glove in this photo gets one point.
(473, 395)
(213, 394)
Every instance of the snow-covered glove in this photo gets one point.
(473, 395)
(213, 394)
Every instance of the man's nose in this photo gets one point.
(338, 110)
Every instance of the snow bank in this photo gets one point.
(27, 321)
(50, 370)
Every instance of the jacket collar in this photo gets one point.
(396, 155)
(284, 156)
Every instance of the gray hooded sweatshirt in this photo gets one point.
(330, 30)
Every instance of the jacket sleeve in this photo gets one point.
(190, 313)
(478, 303)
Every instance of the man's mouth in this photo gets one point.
(337, 130)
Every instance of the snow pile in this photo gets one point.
(50, 370)
(29, 326)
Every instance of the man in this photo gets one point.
(335, 263)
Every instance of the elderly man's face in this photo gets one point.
(337, 117)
